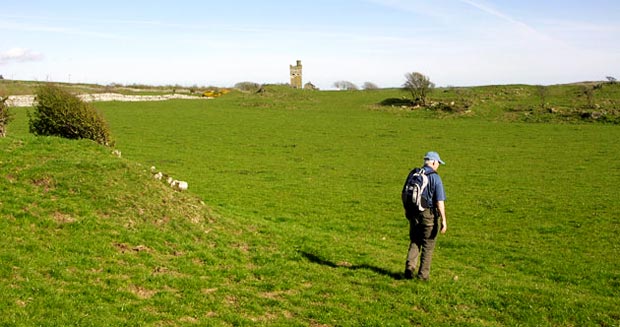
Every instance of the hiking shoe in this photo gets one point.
(408, 274)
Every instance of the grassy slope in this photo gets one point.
(315, 234)
(91, 239)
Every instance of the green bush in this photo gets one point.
(247, 86)
(5, 115)
(397, 102)
(60, 113)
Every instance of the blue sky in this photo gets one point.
(454, 42)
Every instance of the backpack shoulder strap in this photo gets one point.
(423, 171)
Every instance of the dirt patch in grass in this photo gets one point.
(63, 218)
(123, 248)
(46, 183)
(142, 292)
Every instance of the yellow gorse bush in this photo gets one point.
(215, 93)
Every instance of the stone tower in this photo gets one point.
(296, 75)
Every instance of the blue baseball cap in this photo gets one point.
(432, 155)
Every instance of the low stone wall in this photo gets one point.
(20, 100)
(28, 100)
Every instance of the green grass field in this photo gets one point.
(302, 223)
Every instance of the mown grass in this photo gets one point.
(308, 228)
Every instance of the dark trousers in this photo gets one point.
(423, 229)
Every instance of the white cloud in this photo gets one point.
(20, 55)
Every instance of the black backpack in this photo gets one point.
(414, 187)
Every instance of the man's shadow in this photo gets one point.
(315, 259)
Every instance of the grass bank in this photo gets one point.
(309, 229)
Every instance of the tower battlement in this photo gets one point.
(296, 75)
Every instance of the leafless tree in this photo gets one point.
(588, 92)
(345, 86)
(542, 92)
(419, 86)
(247, 86)
(370, 86)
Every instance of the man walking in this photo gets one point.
(425, 217)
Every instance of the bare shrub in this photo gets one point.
(345, 86)
(419, 86)
(370, 86)
(247, 86)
